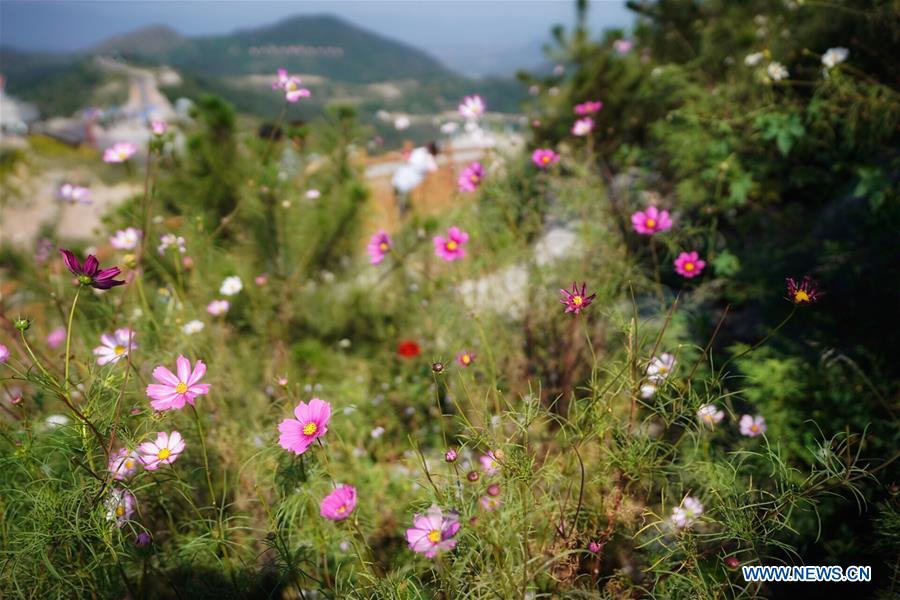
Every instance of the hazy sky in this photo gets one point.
(467, 35)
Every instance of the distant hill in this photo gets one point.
(317, 45)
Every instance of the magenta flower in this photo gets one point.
(433, 532)
(451, 247)
(471, 177)
(650, 221)
(582, 127)
(490, 503)
(451, 455)
(576, 300)
(311, 423)
(338, 505)
(119, 506)
(623, 46)
(123, 464)
(472, 107)
(752, 426)
(489, 463)
(173, 391)
(544, 157)
(56, 337)
(291, 87)
(217, 308)
(805, 292)
(114, 347)
(379, 247)
(119, 152)
(689, 264)
(588, 108)
(74, 193)
(4, 353)
(465, 358)
(594, 547)
(90, 272)
(163, 451)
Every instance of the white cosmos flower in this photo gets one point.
(834, 57)
(231, 286)
(684, 516)
(114, 347)
(751, 60)
(709, 415)
(125, 239)
(777, 71)
(192, 327)
(660, 367)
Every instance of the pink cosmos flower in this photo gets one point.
(709, 415)
(218, 308)
(594, 547)
(172, 392)
(451, 247)
(159, 128)
(576, 300)
(123, 464)
(261, 280)
(465, 358)
(119, 506)
(56, 337)
(291, 87)
(311, 423)
(4, 353)
(685, 515)
(623, 46)
(471, 177)
(472, 107)
(113, 347)
(119, 152)
(660, 367)
(338, 505)
(490, 503)
(588, 108)
(379, 247)
(74, 193)
(433, 532)
(544, 157)
(163, 451)
(582, 127)
(752, 426)
(126, 239)
(489, 463)
(689, 264)
(650, 221)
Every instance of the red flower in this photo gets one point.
(408, 349)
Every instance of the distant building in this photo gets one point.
(15, 115)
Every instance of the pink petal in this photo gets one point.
(164, 375)
(197, 374)
(184, 369)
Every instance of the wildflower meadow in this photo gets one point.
(648, 342)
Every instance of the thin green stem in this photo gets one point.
(69, 340)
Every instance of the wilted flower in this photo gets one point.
(471, 177)
(451, 247)
(231, 286)
(451, 455)
(806, 292)
(119, 152)
(119, 506)
(114, 347)
(90, 272)
(74, 193)
(123, 464)
(489, 463)
(163, 451)
(433, 532)
(56, 337)
(650, 220)
(379, 247)
(752, 426)
(576, 300)
(310, 424)
(776, 71)
(170, 240)
(582, 127)
(689, 264)
(172, 392)
(623, 46)
(408, 349)
(159, 128)
(218, 308)
(338, 505)
(588, 108)
(684, 516)
(544, 157)
(472, 107)
(193, 326)
(490, 503)
(834, 57)
(660, 367)
(465, 358)
(751, 60)
(709, 415)
(126, 239)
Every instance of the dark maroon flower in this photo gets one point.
(806, 292)
(732, 562)
(472, 476)
(90, 272)
(576, 300)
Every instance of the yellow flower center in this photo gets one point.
(341, 509)
(474, 178)
(434, 536)
(164, 453)
(451, 245)
(801, 296)
(651, 222)
(754, 428)
(310, 428)
(383, 246)
(119, 350)
(577, 300)
(291, 86)
(181, 387)
(545, 159)
(120, 510)
(689, 266)
(466, 358)
(129, 464)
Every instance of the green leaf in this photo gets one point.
(726, 264)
